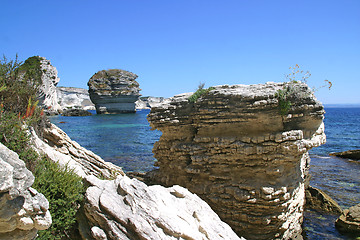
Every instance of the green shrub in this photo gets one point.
(284, 103)
(201, 91)
(15, 137)
(19, 110)
(18, 83)
(64, 191)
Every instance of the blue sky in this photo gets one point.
(173, 45)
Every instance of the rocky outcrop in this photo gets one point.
(114, 91)
(318, 200)
(23, 211)
(57, 146)
(148, 102)
(126, 208)
(40, 70)
(78, 98)
(48, 95)
(349, 221)
(350, 154)
(76, 112)
(235, 150)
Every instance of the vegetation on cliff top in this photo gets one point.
(201, 91)
(18, 111)
(292, 91)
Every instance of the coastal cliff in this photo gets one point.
(239, 152)
(71, 97)
(114, 91)
(40, 71)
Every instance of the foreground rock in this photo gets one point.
(351, 154)
(78, 98)
(129, 209)
(23, 211)
(319, 200)
(57, 146)
(76, 112)
(114, 91)
(234, 149)
(349, 221)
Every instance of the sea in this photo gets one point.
(127, 141)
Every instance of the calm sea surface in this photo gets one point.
(126, 140)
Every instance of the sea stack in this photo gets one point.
(114, 91)
(239, 151)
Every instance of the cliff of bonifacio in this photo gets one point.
(239, 152)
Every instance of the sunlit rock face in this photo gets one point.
(70, 98)
(236, 150)
(128, 209)
(114, 91)
(47, 93)
(23, 210)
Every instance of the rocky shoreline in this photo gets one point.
(231, 165)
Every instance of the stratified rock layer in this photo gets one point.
(114, 91)
(23, 210)
(235, 150)
(126, 208)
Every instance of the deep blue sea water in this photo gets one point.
(126, 140)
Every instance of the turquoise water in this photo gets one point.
(126, 140)
(123, 139)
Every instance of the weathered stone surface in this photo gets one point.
(70, 97)
(350, 154)
(23, 211)
(47, 95)
(318, 200)
(114, 91)
(148, 102)
(235, 150)
(126, 208)
(58, 146)
(349, 221)
(76, 112)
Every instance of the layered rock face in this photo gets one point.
(126, 208)
(114, 91)
(23, 211)
(70, 97)
(47, 95)
(58, 146)
(235, 150)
